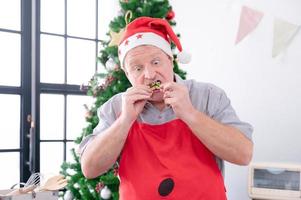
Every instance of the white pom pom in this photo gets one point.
(105, 193)
(183, 57)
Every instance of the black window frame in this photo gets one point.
(31, 88)
(24, 90)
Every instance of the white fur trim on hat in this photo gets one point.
(143, 38)
(183, 57)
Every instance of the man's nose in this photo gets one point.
(149, 73)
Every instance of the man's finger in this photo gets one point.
(140, 92)
(167, 94)
(138, 97)
(168, 86)
(137, 89)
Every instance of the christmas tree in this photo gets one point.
(106, 186)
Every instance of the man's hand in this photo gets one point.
(226, 142)
(177, 96)
(133, 102)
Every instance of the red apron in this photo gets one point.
(168, 161)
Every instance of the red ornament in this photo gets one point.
(99, 186)
(170, 15)
(115, 171)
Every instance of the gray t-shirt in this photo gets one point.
(205, 97)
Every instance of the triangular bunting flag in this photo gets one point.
(284, 32)
(249, 19)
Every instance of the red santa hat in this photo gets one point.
(150, 31)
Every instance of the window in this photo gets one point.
(13, 94)
(68, 49)
(48, 49)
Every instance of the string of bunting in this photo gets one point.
(284, 32)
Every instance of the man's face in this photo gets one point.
(146, 64)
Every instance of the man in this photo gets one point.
(170, 134)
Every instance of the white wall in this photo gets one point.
(265, 91)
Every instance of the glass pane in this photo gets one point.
(105, 15)
(53, 16)
(69, 156)
(52, 59)
(52, 117)
(10, 121)
(76, 113)
(10, 169)
(10, 14)
(100, 67)
(81, 61)
(10, 49)
(51, 157)
(81, 18)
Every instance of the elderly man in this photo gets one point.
(172, 135)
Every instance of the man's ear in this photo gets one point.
(171, 61)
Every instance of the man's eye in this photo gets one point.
(138, 68)
(156, 62)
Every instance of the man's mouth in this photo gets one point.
(155, 85)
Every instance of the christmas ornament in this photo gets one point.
(115, 171)
(120, 13)
(76, 185)
(105, 193)
(139, 10)
(170, 15)
(110, 64)
(68, 195)
(109, 80)
(128, 16)
(115, 37)
(99, 186)
(71, 172)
